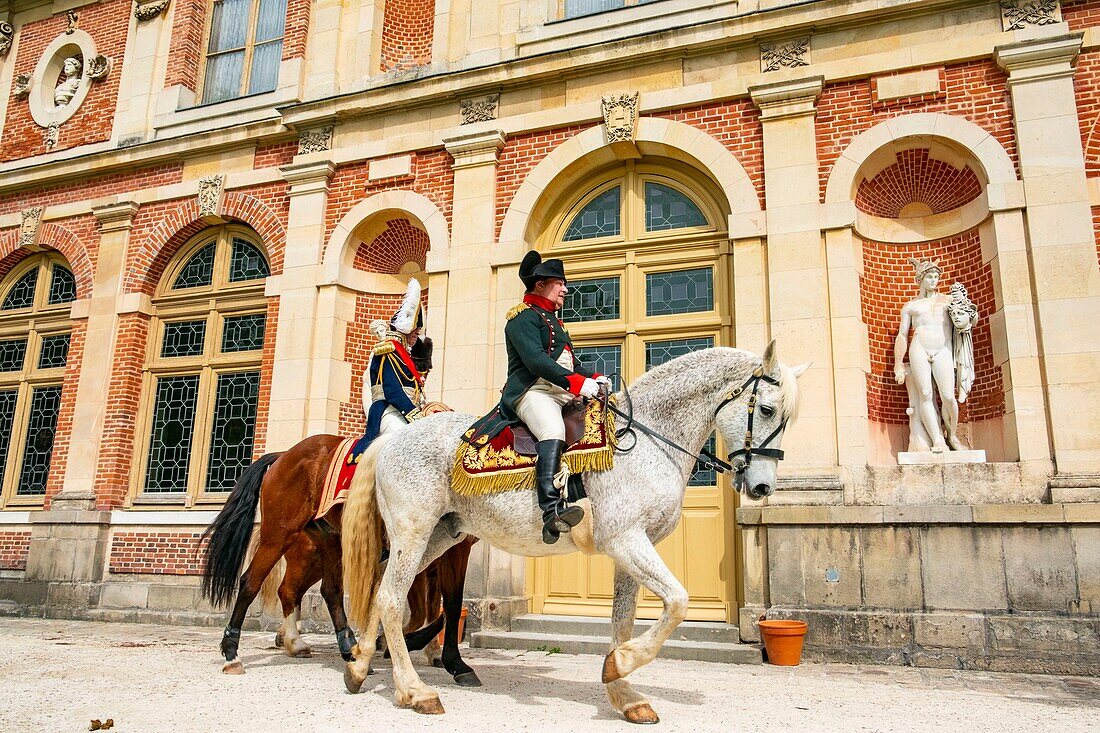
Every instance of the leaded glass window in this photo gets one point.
(657, 353)
(591, 300)
(171, 434)
(682, 291)
(247, 263)
(666, 208)
(38, 448)
(244, 333)
(8, 398)
(12, 354)
(233, 429)
(183, 338)
(62, 285)
(601, 359)
(600, 217)
(54, 352)
(199, 270)
(21, 294)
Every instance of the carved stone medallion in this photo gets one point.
(99, 66)
(7, 33)
(1017, 14)
(149, 10)
(53, 135)
(28, 228)
(315, 141)
(210, 195)
(785, 54)
(482, 109)
(21, 86)
(620, 116)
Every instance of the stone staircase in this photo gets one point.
(693, 640)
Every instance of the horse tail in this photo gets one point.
(269, 591)
(230, 534)
(361, 534)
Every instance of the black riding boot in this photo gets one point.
(557, 516)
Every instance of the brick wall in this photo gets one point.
(407, 29)
(93, 188)
(276, 154)
(156, 553)
(431, 177)
(1081, 14)
(917, 178)
(14, 547)
(59, 458)
(108, 23)
(1086, 84)
(888, 283)
(399, 243)
(1096, 231)
(976, 91)
(116, 446)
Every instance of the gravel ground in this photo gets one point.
(57, 676)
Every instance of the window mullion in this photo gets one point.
(249, 45)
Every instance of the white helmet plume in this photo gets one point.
(408, 315)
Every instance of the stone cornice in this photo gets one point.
(115, 217)
(307, 178)
(479, 148)
(1041, 59)
(785, 99)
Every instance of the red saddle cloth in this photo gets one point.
(340, 472)
(491, 466)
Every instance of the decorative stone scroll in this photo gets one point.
(148, 10)
(210, 195)
(21, 86)
(620, 117)
(1018, 14)
(785, 54)
(28, 227)
(315, 141)
(7, 34)
(52, 135)
(481, 109)
(73, 18)
(98, 67)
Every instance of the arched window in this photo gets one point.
(34, 348)
(202, 380)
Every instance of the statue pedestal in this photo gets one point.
(928, 458)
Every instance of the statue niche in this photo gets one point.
(941, 362)
(69, 81)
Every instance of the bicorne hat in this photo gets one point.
(533, 268)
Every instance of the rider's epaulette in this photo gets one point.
(383, 347)
(516, 310)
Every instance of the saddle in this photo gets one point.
(572, 414)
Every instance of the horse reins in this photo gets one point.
(741, 458)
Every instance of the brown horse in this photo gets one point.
(287, 489)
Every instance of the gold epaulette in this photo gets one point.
(383, 347)
(516, 310)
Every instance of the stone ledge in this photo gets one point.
(983, 514)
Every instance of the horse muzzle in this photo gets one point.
(759, 491)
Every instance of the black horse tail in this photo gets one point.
(231, 532)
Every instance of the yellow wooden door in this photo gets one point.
(639, 296)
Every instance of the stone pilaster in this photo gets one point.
(797, 267)
(1061, 244)
(297, 410)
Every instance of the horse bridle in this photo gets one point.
(740, 458)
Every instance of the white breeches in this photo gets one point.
(540, 410)
(392, 420)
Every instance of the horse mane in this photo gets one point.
(788, 393)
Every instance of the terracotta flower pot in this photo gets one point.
(461, 628)
(783, 640)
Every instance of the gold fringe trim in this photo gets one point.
(383, 347)
(515, 310)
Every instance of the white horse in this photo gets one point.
(405, 480)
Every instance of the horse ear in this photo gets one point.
(801, 368)
(769, 358)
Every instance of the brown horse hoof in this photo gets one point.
(234, 667)
(438, 663)
(302, 654)
(279, 639)
(642, 714)
(610, 669)
(431, 706)
(352, 681)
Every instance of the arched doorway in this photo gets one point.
(650, 268)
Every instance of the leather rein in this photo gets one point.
(739, 459)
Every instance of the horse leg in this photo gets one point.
(332, 590)
(303, 569)
(623, 697)
(636, 555)
(262, 562)
(452, 578)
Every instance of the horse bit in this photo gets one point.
(739, 459)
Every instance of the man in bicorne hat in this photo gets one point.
(543, 377)
(393, 385)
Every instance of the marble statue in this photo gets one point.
(64, 92)
(941, 354)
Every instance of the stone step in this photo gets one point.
(601, 628)
(697, 651)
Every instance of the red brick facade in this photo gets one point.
(917, 179)
(1086, 83)
(1081, 14)
(399, 243)
(275, 155)
(14, 547)
(407, 29)
(175, 553)
(887, 283)
(108, 23)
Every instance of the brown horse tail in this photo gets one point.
(230, 533)
(361, 537)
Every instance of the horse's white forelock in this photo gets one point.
(788, 393)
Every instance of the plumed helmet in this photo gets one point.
(533, 268)
(409, 316)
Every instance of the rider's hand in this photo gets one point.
(605, 382)
(899, 374)
(590, 388)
